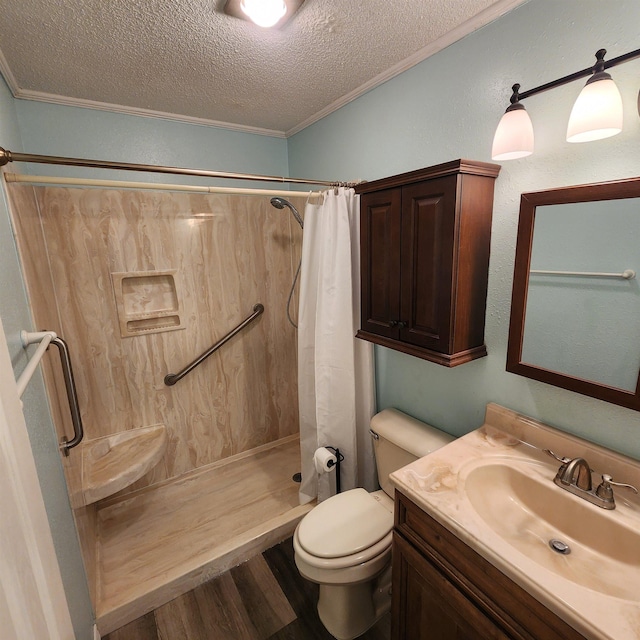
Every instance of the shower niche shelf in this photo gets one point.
(111, 463)
(147, 302)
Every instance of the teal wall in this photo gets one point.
(15, 314)
(447, 107)
(87, 133)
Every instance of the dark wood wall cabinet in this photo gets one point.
(443, 590)
(424, 240)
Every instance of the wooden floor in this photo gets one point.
(159, 543)
(262, 599)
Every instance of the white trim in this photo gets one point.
(473, 24)
(32, 598)
(40, 96)
(10, 79)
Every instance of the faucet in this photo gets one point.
(574, 476)
(575, 473)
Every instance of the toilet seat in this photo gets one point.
(346, 530)
(353, 560)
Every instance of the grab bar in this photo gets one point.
(171, 378)
(45, 338)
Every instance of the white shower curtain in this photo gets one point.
(335, 370)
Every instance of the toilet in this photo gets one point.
(344, 544)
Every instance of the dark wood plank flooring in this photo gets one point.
(263, 599)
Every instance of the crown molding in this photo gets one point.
(483, 18)
(7, 74)
(39, 96)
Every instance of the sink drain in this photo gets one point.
(560, 547)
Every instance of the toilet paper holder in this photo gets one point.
(336, 464)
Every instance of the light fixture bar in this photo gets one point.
(585, 73)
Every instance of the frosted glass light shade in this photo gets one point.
(597, 112)
(265, 13)
(514, 135)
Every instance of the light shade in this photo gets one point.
(514, 135)
(265, 13)
(597, 112)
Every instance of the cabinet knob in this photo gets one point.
(393, 323)
(402, 324)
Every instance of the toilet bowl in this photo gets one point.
(344, 543)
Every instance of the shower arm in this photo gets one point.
(7, 156)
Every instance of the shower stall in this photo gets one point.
(139, 283)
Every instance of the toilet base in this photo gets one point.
(347, 611)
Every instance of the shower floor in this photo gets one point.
(162, 541)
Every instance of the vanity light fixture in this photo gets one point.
(514, 135)
(264, 13)
(596, 114)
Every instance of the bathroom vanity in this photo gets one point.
(444, 590)
(472, 552)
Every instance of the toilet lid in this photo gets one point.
(344, 524)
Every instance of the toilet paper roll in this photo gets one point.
(324, 460)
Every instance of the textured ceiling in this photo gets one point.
(187, 58)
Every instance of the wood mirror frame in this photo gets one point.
(615, 190)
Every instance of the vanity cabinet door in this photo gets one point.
(429, 607)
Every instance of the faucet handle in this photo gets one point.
(563, 460)
(605, 491)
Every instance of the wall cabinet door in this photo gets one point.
(427, 255)
(380, 256)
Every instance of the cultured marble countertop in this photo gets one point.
(436, 483)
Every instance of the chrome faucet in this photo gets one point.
(574, 476)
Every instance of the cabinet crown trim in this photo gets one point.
(454, 167)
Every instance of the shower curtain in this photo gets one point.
(335, 370)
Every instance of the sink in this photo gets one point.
(493, 489)
(520, 503)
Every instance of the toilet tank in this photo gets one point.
(399, 439)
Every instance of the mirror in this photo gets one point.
(575, 309)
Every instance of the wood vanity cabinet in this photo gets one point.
(424, 243)
(443, 590)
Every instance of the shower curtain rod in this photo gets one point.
(152, 186)
(10, 156)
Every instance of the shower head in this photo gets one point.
(281, 203)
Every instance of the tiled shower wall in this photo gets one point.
(189, 267)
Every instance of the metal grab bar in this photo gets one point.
(171, 378)
(72, 395)
(45, 338)
(627, 274)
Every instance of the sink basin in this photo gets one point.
(522, 505)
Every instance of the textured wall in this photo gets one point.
(86, 133)
(448, 107)
(225, 254)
